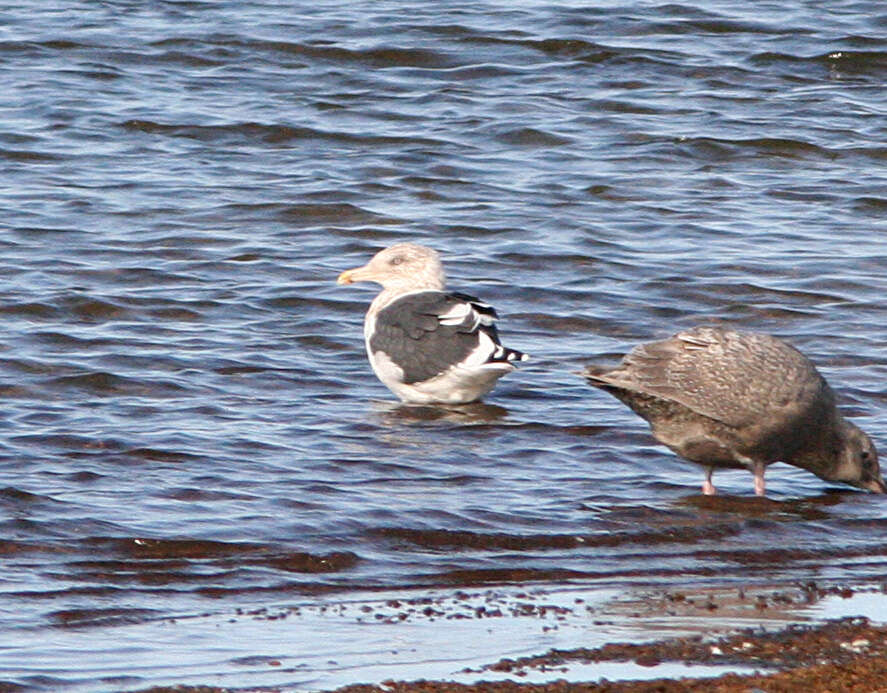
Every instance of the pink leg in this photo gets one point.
(759, 468)
(708, 488)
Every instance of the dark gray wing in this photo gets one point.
(426, 332)
(738, 378)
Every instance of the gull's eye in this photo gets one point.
(867, 463)
(396, 260)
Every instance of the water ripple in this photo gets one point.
(191, 425)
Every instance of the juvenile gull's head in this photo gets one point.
(402, 267)
(856, 460)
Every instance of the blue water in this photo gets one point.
(190, 424)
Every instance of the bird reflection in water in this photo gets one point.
(475, 413)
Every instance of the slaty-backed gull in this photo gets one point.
(727, 399)
(426, 344)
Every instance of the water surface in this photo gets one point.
(191, 431)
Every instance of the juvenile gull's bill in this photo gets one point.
(426, 344)
(726, 399)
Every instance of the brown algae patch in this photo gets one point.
(848, 655)
(728, 640)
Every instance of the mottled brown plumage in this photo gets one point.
(741, 400)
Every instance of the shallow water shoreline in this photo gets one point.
(663, 639)
(202, 482)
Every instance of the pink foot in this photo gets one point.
(759, 478)
(708, 488)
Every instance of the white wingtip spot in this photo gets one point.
(457, 314)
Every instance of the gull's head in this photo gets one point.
(854, 460)
(402, 267)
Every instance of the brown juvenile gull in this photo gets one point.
(426, 344)
(726, 399)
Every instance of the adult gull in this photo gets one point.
(426, 344)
